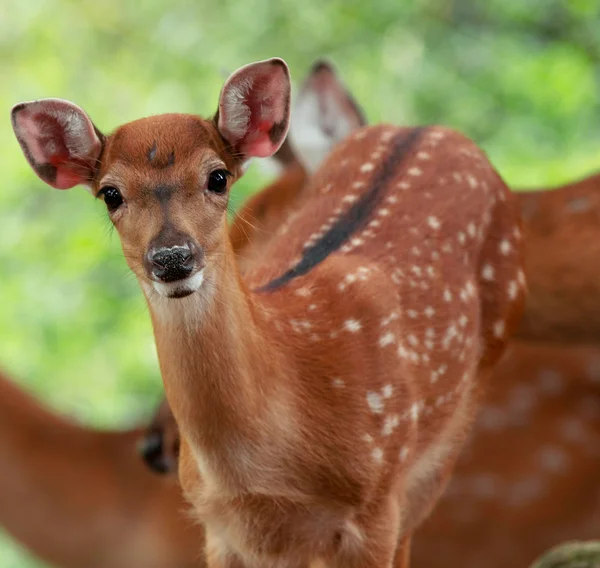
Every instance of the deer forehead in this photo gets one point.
(164, 147)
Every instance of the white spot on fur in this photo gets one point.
(338, 383)
(375, 402)
(414, 412)
(433, 222)
(377, 454)
(499, 327)
(387, 391)
(352, 325)
(389, 319)
(513, 290)
(387, 339)
(472, 181)
(505, 247)
(487, 272)
(429, 311)
(390, 424)
(367, 167)
(414, 171)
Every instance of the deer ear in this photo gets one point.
(324, 113)
(254, 109)
(60, 142)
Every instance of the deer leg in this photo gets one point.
(374, 541)
(402, 557)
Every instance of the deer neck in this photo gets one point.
(222, 378)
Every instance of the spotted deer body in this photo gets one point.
(323, 399)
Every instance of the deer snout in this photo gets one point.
(169, 264)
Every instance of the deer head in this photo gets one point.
(165, 179)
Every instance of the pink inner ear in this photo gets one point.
(57, 133)
(254, 108)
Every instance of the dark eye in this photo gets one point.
(112, 197)
(217, 181)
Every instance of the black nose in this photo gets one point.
(172, 263)
(152, 452)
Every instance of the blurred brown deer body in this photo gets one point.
(369, 396)
(562, 248)
(528, 477)
(80, 498)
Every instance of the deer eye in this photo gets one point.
(112, 197)
(217, 181)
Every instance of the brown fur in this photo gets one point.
(274, 456)
(562, 251)
(263, 213)
(80, 498)
(528, 477)
(491, 532)
(249, 477)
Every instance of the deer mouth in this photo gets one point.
(180, 288)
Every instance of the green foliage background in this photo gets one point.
(520, 77)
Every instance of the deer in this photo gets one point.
(530, 466)
(561, 227)
(322, 433)
(77, 497)
(325, 112)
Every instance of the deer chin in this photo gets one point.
(180, 288)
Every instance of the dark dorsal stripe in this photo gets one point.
(355, 218)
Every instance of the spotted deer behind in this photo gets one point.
(323, 399)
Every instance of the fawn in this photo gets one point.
(324, 114)
(561, 226)
(312, 427)
(543, 482)
(82, 498)
(527, 479)
(79, 497)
